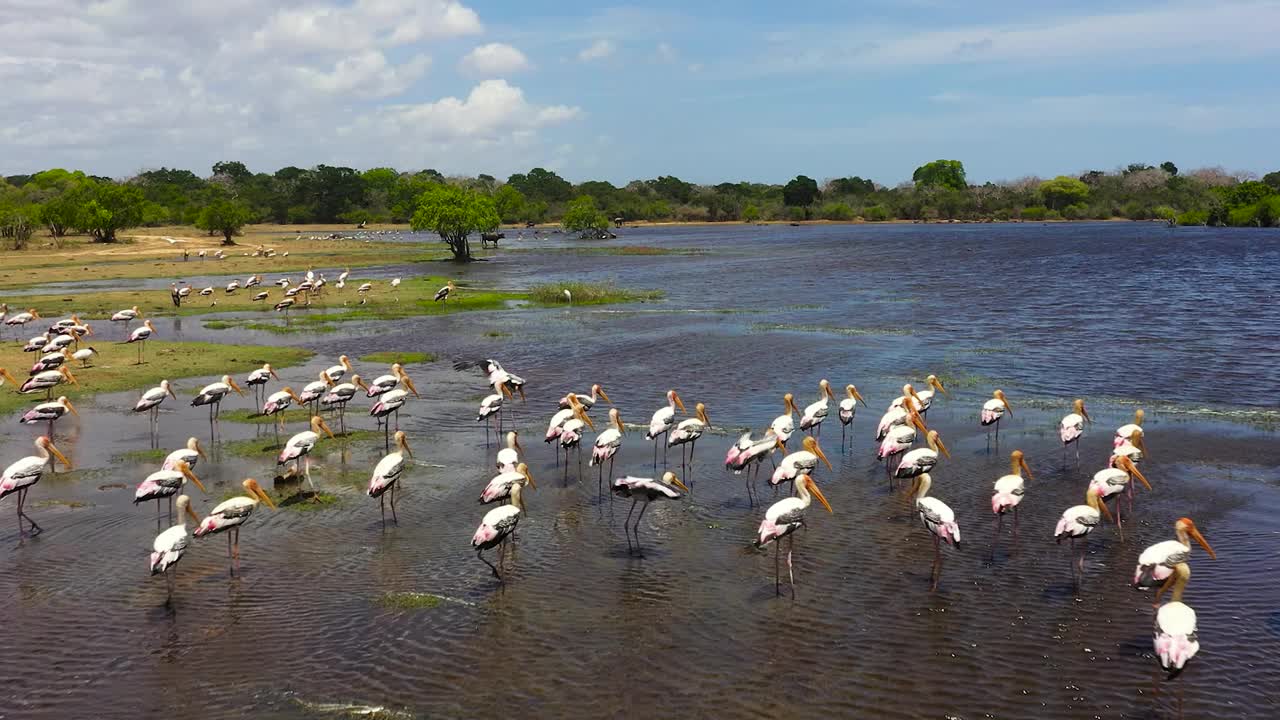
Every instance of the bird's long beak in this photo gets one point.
(192, 477)
(170, 391)
(1098, 505)
(702, 415)
(517, 443)
(193, 514)
(236, 387)
(605, 395)
(294, 395)
(71, 407)
(937, 384)
(409, 384)
(5, 374)
(826, 389)
(264, 497)
(326, 429)
(680, 403)
(529, 476)
(1203, 543)
(944, 449)
(58, 454)
(918, 422)
(506, 391)
(1007, 406)
(67, 372)
(813, 488)
(817, 450)
(200, 451)
(676, 481)
(583, 417)
(1025, 469)
(1133, 470)
(273, 374)
(858, 395)
(1138, 442)
(361, 384)
(1085, 414)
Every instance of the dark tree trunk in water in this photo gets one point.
(460, 246)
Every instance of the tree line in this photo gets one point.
(63, 202)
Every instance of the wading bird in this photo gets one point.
(1133, 449)
(83, 355)
(509, 456)
(645, 490)
(922, 400)
(782, 519)
(386, 474)
(1072, 427)
(1157, 562)
(258, 380)
(1127, 431)
(22, 318)
(341, 394)
(298, 450)
(151, 400)
(606, 446)
(387, 404)
(21, 475)
(784, 425)
(848, 408)
(314, 390)
(663, 420)
(499, 487)
(815, 412)
(571, 434)
(1113, 481)
(937, 518)
(212, 395)
(491, 406)
(386, 383)
(339, 371)
(442, 295)
(170, 545)
(51, 361)
(36, 344)
(1008, 493)
(900, 438)
(126, 317)
(1077, 522)
(189, 454)
(49, 412)
(47, 381)
(233, 513)
(497, 525)
(165, 484)
(994, 409)
(688, 432)
(921, 460)
(800, 462)
(277, 403)
(140, 336)
(497, 375)
(1173, 636)
(555, 426)
(747, 451)
(587, 401)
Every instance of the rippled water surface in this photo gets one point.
(1182, 322)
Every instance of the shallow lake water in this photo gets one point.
(1181, 322)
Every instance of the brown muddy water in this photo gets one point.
(1180, 322)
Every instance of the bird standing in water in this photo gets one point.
(782, 519)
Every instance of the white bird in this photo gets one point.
(994, 409)
(141, 335)
(21, 475)
(260, 296)
(342, 277)
(37, 343)
(252, 281)
(587, 401)
(395, 285)
(212, 395)
(339, 371)
(571, 431)
(259, 379)
(170, 545)
(49, 412)
(800, 462)
(497, 375)
(497, 525)
(83, 355)
(923, 399)
(815, 412)
(339, 395)
(688, 432)
(1009, 489)
(1128, 431)
(901, 437)
(491, 405)
(784, 425)
(443, 293)
(387, 383)
(298, 448)
(389, 403)
(231, 514)
(921, 460)
(189, 454)
(1115, 480)
(1077, 522)
(22, 318)
(47, 381)
(607, 445)
(848, 408)
(50, 361)
(937, 518)
(387, 473)
(314, 390)
(1072, 425)
(152, 399)
(645, 490)
(499, 487)
(232, 287)
(1174, 637)
(509, 456)
(165, 484)
(663, 420)
(1157, 562)
(785, 517)
(126, 316)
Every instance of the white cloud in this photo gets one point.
(666, 53)
(492, 110)
(597, 50)
(493, 59)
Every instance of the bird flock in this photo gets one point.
(1164, 565)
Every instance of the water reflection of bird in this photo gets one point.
(782, 519)
(233, 513)
(23, 474)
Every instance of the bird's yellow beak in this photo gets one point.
(676, 481)
(71, 407)
(1007, 406)
(1025, 469)
(58, 454)
(1195, 533)
(327, 431)
(943, 448)
(193, 514)
(273, 373)
(680, 403)
(66, 372)
(583, 417)
(817, 450)
(1133, 470)
(858, 395)
(529, 476)
(813, 488)
(5, 374)
(236, 387)
(409, 384)
(937, 384)
(170, 391)
(186, 470)
(294, 395)
(702, 415)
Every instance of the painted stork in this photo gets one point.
(490, 406)
(298, 449)
(232, 287)
(339, 371)
(21, 475)
(921, 460)
(645, 490)
(994, 409)
(314, 390)
(152, 399)
(908, 391)
(571, 433)
(49, 412)
(126, 317)
(509, 456)
(189, 454)
(212, 395)
(175, 295)
(587, 401)
(140, 336)
(22, 318)
(1127, 431)
(165, 485)
(923, 398)
(1072, 427)
(499, 487)
(688, 432)
(442, 295)
(6, 377)
(1113, 481)
(258, 380)
(663, 420)
(782, 519)
(51, 361)
(1173, 636)
(387, 404)
(497, 375)
(260, 296)
(171, 544)
(848, 408)
(937, 518)
(901, 437)
(555, 426)
(341, 394)
(36, 344)
(386, 475)
(47, 381)
(233, 513)
(387, 383)
(746, 451)
(815, 412)
(1157, 562)
(1077, 522)
(58, 343)
(83, 355)
(784, 425)
(1008, 492)
(277, 403)
(1133, 449)
(497, 525)
(800, 462)
(252, 281)
(607, 445)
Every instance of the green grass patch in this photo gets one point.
(257, 447)
(308, 501)
(54, 502)
(589, 293)
(251, 416)
(114, 368)
(393, 356)
(140, 456)
(410, 601)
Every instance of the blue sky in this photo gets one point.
(707, 91)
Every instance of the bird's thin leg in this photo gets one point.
(394, 519)
(1074, 580)
(937, 562)
(170, 508)
(480, 554)
(382, 505)
(791, 574)
(1119, 521)
(502, 555)
(636, 530)
(777, 582)
(386, 436)
(611, 479)
(1015, 531)
(22, 501)
(168, 577)
(843, 432)
(655, 453)
(626, 526)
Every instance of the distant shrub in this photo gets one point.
(875, 213)
(1053, 215)
(1034, 213)
(836, 211)
(1194, 217)
(1002, 214)
(795, 213)
(1076, 212)
(1164, 212)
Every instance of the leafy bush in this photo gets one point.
(1194, 217)
(1164, 212)
(836, 211)
(1034, 213)
(875, 213)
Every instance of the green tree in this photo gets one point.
(802, 191)
(1063, 191)
(454, 213)
(852, 186)
(1169, 167)
(940, 173)
(671, 188)
(225, 216)
(110, 209)
(232, 169)
(509, 202)
(750, 214)
(582, 216)
(542, 184)
(1272, 179)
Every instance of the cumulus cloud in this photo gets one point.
(113, 86)
(493, 59)
(597, 50)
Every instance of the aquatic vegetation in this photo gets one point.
(614, 250)
(589, 293)
(395, 356)
(829, 329)
(409, 600)
(55, 502)
(140, 456)
(354, 710)
(253, 417)
(308, 501)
